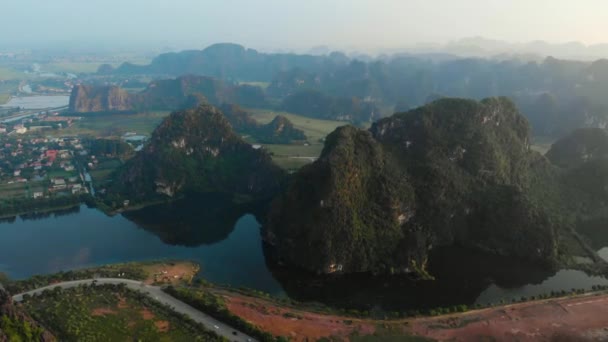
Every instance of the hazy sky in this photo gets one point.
(300, 23)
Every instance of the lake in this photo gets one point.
(38, 102)
(226, 242)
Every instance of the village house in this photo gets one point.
(20, 129)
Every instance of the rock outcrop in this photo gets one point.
(279, 131)
(85, 98)
(169, 94)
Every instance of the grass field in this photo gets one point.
(114, 125)
(11, 74)
(4, 98)
(104, 170)
(111, 313)
(294, 156)
(15, 190)
(101, 176)
(72, 67)
(61, 173)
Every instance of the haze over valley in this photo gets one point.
(278, 171)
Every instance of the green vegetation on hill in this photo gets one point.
(195, 150)
(579, 146)
(452, 172)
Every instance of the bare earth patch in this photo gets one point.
(103, 312)
(147, 314)
(162, 326)
(175, 273)
(295, 324)
(568, 319)
(582, 318)
(122, 303)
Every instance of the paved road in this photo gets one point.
(156, 293)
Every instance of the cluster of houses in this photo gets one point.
(36, 122)
(50, 162)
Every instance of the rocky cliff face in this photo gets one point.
(454, 172)
(196, 151)
(170, 94)
(100, 99)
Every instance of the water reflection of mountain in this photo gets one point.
(595, 231)
(193, 221)
(10, 219)
(461, 276)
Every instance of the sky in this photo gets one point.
(299, 24)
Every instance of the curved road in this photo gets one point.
(156, 293)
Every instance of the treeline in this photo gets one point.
(215, 307)
(126, 271)
(16, 329)
(18, 206)
(410, 313)
(316, 104)
(109, 147)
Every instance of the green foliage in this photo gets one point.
(70, 315)
(109, 148)
(132, 271)
(18, 330)
(578, 147)
(454, 171)
(17, 206)
(214, 306)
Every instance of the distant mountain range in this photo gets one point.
(555, 95)
(538, 49)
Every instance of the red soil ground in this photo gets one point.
(583, 318)
(295, 324)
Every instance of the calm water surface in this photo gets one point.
(226, 243)
(90, 238)
(38, 102)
